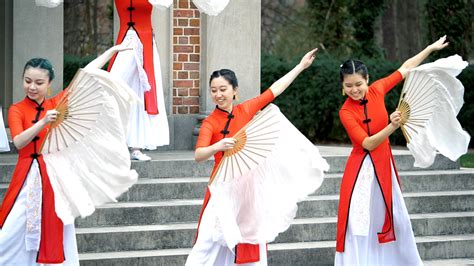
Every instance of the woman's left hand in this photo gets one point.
(439, 44)
(308, 58)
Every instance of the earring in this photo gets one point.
(343, 92)
(49, 91)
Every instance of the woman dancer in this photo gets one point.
(373, 226)
(30, 230)
(215, 137)
(140, 69)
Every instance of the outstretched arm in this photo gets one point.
(280, 85)
(102, 59)
(417, 59)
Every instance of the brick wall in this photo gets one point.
(186, 57)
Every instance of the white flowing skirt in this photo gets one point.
(14, 236)
(366, 218)
(146, 131)
(4, 145)
(210, 247)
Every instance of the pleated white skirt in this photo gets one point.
(366, 218)
(13, 249)
(146, 131)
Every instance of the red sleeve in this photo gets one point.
(384, 85)
(205, 135)
(254, 105)
(355, 131)
(15, 121)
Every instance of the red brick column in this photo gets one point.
(186, 56)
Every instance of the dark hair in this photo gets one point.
(227, 74)
(40, 63)
(353, 67)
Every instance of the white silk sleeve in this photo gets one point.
(211, 7)
(161, 4)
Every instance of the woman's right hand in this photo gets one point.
(395, 118)
(51, 116)
(224, 144)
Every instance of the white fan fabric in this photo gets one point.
(442, 131)
(95, 169)
(161, 4)
(211, 7)
(259, 205)
(4, 145)
(48, 3)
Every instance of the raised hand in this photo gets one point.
(439, 44)
(308, 58)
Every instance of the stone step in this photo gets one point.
(319, 252)
(194, 187)
(451, 262)
(182, 164)
(172, 236)
(179, 211)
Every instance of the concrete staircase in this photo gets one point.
(154, 223)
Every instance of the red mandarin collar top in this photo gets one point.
(362, 119)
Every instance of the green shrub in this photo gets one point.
(313, 100)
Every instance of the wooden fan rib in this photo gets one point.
(81, 90)
(76, 124)
(258, 154)
(85, 100)
(263, 115)
(257, 148)
(75, 131)
(264, 124)
(62, 137)
(81, 108)
(243, 152)
(414, 91)
(56, 138)
(411, 79)
(67, 129)
(424, 100)
(421, 93)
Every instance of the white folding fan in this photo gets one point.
(85, 150)
(258, 183)
(253, 143)
(430, 101)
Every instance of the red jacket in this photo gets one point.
(136, 15)
(220, 124)
(21, 116)
(362, 119)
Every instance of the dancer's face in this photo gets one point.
(355, 86)
(36, 83)
(222, 93)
